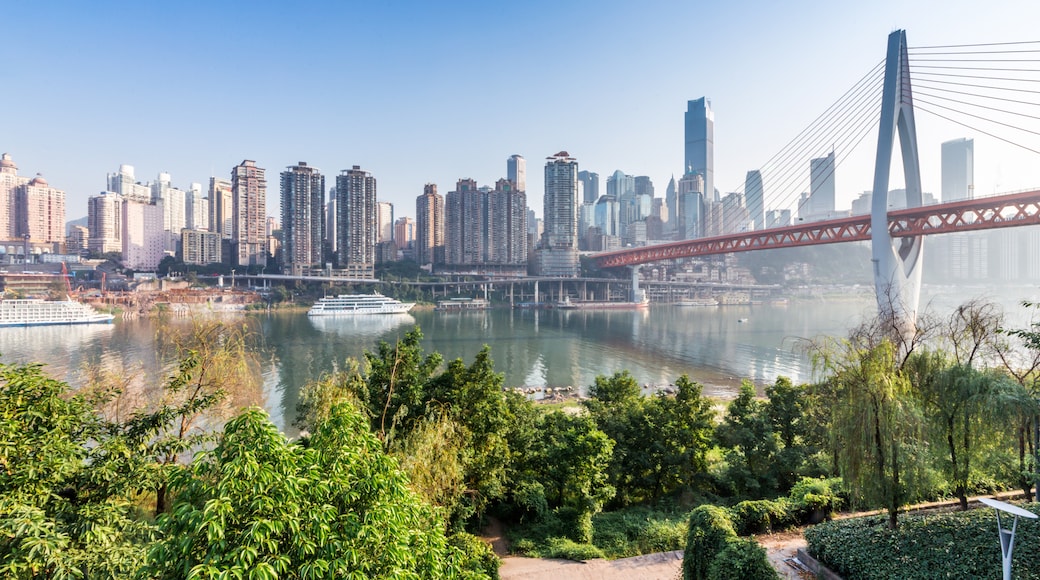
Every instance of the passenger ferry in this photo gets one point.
(357, 304)
(35, 312)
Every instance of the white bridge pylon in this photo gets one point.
(897, 263)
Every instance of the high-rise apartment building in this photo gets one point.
(384, 222)
(700, 144)
(466, 224)
(10, 183)
(507, 206)
(356, 222)
(404, 232)
(124, 183)
(558, 254)
(330, 225)
(690, 207)
(197, 209)
(174, 203)
(755, 198)
(821, 188)
(249, 223)
(105, 222)
(143, 235)
(41, 213)
(221, 207)
(958, 170)
(590, 186)
(516, 171)
(303, 218)
(429, 226)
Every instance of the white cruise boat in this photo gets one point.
(33, 312)
(358, 304)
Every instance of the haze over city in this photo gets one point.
(418, 92)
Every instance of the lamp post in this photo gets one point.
(1007, 537)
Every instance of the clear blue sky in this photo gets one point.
(419, 92)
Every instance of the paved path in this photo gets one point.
(659, 566)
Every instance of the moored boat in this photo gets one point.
(358, 304)
(35, 312)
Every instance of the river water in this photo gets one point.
(716, 346)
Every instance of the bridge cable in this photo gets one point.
(974, 45)
(977, 129)
(970, 104)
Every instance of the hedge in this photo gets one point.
(948, 545)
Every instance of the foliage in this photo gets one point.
(261, 506)
(876, 426)
(762, 516)
(742, 559)
(319, 397)
(570, 550)
(64, 483)
(477, 559)
(948, 545)
(710, 529)
(639, 530)
(816, 496)
(747, 434)
(396, 384)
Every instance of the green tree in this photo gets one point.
(259, 506)
(877, 426)
(66, 485)
(746, 432)
(397, 382)
(786, 407)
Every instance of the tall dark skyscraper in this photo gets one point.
(429, 226)
(700, 144)
(558, 255)
(590, 183)
(356, 222)
(516, 171)
(303, 219)
(754, 196)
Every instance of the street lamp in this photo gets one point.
(1007, 537)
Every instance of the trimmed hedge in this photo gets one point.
(742, 559)
(948, 545)
(710, 530)
(762, 516)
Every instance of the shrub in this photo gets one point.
(639, 530)
(762, 516)
(948, 545)
(742, 559)
(477, 556)
(815, 500)
(710, 529)
(570, 550)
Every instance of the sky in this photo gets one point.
(431, 92)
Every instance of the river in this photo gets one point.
(716, 346)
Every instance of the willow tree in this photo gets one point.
(877, 425)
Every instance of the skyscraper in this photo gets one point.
(356, 238)
(690, 206)
(41, 212)
(516, 171)
(10, 183)
(221, 207)
(303, 218)
(507, 208)
(700, 144)
(958, 170)
(384, 222)
(105, 222)
(821, 187)
(590, 184)
(559, 249)
(465, 224)
(249, 206)
(404, 232)
(429, 226)
(755, 199)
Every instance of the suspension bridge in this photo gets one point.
(973, 86)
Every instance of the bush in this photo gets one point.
(815, 500)
(477, 556)
(949, 545)
(762, 516)
(710, 529)
(742, 559)
(570, 550)
(639, 530)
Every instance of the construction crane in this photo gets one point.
(65, 277)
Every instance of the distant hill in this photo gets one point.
(76, 222)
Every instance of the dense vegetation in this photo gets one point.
(404, 455)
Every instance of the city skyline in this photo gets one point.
(77, 128)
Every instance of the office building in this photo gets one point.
(700, 144)
(690, 207)
(429, 226)
(558, 253)
(590, 186)
(820, 204)
(303, 218)
(249, 208)
(516, 171)
(754, 195)
(124, 183)
(197, 210)
(958, 170)
(356, 222)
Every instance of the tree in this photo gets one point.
(396, 384)
(876, 424)
(65, 485)
(259, 506)
(1023, 364)
(747, 433)
(787, 408)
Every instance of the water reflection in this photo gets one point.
(361, 326)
